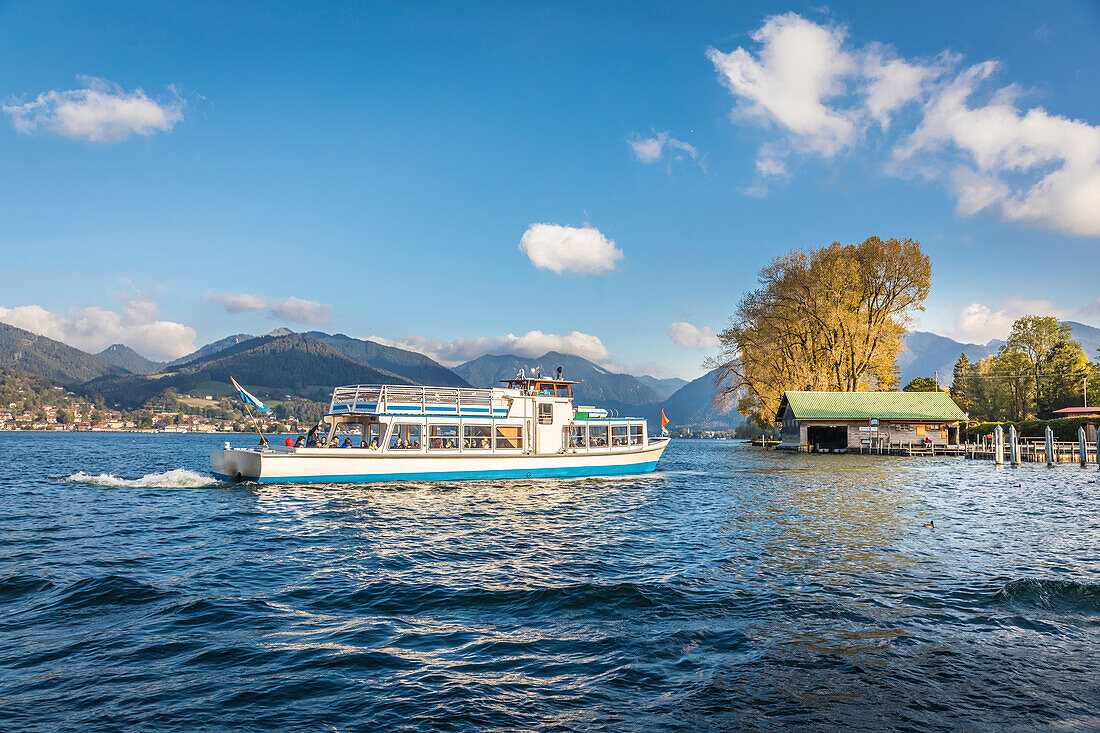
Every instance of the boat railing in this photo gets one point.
(375, 399)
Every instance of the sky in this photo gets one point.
(604, 179)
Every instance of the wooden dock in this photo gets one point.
(1031, 451)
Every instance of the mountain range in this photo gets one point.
(928, 353)
(308, 365)
(123, 356)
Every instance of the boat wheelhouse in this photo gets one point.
(527, 428)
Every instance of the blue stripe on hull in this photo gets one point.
(564, 472)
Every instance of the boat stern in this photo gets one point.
(235, 464)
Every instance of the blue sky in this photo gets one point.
(173, 173)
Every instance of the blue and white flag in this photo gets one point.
(248, 398)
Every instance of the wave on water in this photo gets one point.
(177, 478)
(1053, 594)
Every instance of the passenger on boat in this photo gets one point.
(290, 442)
(374, 444)
(311, 437)
(347, 443)
(300, 442)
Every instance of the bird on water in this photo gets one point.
(931, 524)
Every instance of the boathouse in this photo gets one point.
(848, 421)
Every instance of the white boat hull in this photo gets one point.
(356, 465)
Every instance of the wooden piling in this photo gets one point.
(1049, 434)
(999, 446)
(1013, 446)
(1083, 447)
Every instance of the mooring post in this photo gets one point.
(1013, 446)
(998, 446)
(1098, 448)
(1050, 446)
(1083, 446)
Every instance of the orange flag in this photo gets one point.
(664, 421)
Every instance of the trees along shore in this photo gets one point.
(833, 319)
(1039, 369)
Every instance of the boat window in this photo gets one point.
(373, 438)
(405, 437)
(635, 434)
(563, 390)
(546, 413)
(477, 437)
(546, 390)
(618, 435)
(578, 436)
(443, 437)
(509, 436)
(597, 436)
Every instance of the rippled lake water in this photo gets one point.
(733, 589)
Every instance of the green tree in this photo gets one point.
(1064, 369)
(1034, 337)
(1012, 369)
(65, 418)
(960, 391)
(821, 319)
(921, 384)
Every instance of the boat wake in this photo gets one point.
(177, 478)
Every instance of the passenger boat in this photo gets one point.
(529, 428)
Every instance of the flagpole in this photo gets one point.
(263, 440)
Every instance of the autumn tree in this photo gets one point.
(821, 319)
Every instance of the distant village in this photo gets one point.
(26, 404)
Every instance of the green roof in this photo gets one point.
(936, 406)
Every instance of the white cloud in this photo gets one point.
(569, 249)
(651, 149)
(891, 83)
(100, 112)
(531, 344)
(768, 165)
(693, 337)
(301, 311)
(823, 95)
(1032, 167)
(289, 309)
(94, 329)
(800, 66)
(978, 323)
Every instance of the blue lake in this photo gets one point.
(733, 589)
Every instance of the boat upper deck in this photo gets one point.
(388, 399)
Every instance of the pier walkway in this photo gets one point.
(1031, 451)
